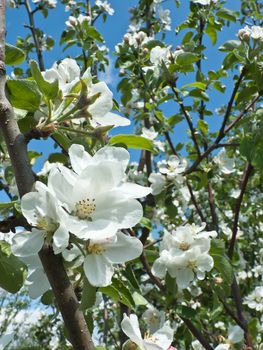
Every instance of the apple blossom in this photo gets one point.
(96, 199)
(160, 340)
(255, 299)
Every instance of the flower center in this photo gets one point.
(150, 337)
(192, 264)
(95, 249)
(184, 246)
(85, 208)
(46, 224)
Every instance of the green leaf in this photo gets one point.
(199, 94)
(132, 141)
(203, 126)
(196, 84)
(12, 270)
(212, 33)
(230, 45)
(13, 55)
(93, 33)
(222, 264)
(50, 90)
(88, 295)
(118, 292)
(186, 58)
(24, 94)
(227, 14)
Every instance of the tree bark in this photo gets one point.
(53, 264)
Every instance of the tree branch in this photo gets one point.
(53, 264)
(196, 333)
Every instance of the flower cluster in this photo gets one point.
(86, 206)
(184, 253)
(255, 32)
(79, 100)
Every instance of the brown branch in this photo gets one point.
(153, 278)
(188, 119)
(244, 182)
(199, 211)
(192, 328)
(216, 144)
(53, 264)
(34, 34)
(12, 222)
(168, 138)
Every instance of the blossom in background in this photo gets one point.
(255, 32)
(160, 340)
(105, 6)
(184, 254)
(154, 318)
(72, 21)
(48, 3)
(96, 198)
(165, 18)
(157, 181)
(226, 165)
(255, 299)
(97, 112)
(205, 2)
(173, 167)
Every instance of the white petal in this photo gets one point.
(124, 249)
(130, 327)
(126, 213)
(159, 268)
(117, 154)
(60, 239)
(164, 336)
(111, 119)
(98, 270)
(131, 190)
(28, 206)
(27, 243)
(184, 277)
(103, 103)
(97, 229)
(79, 158)
(39, 283)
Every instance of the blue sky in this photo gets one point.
(113, 31)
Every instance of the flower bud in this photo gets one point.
(243, 35)
(140, 37)
(145, 51)
(126, 38)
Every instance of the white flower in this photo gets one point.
(184, 255)
(96, 199)
(255, 32)
(105, 6)
(41, 209)
(160, 340)
(226, 165)
(165, 18)
(160, 54)
(26, 246)
(67, 72)
(173, 167)
(255, 299)
(157, 183)
(74, 21)
(102, 255)
(154, 318)
(205, 2)
(5, 340)
(235, 334)
(150, 134)
(49, 3)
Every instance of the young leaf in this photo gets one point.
(50, 90)
(133, 141)
(13, 55)
(24, 94)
